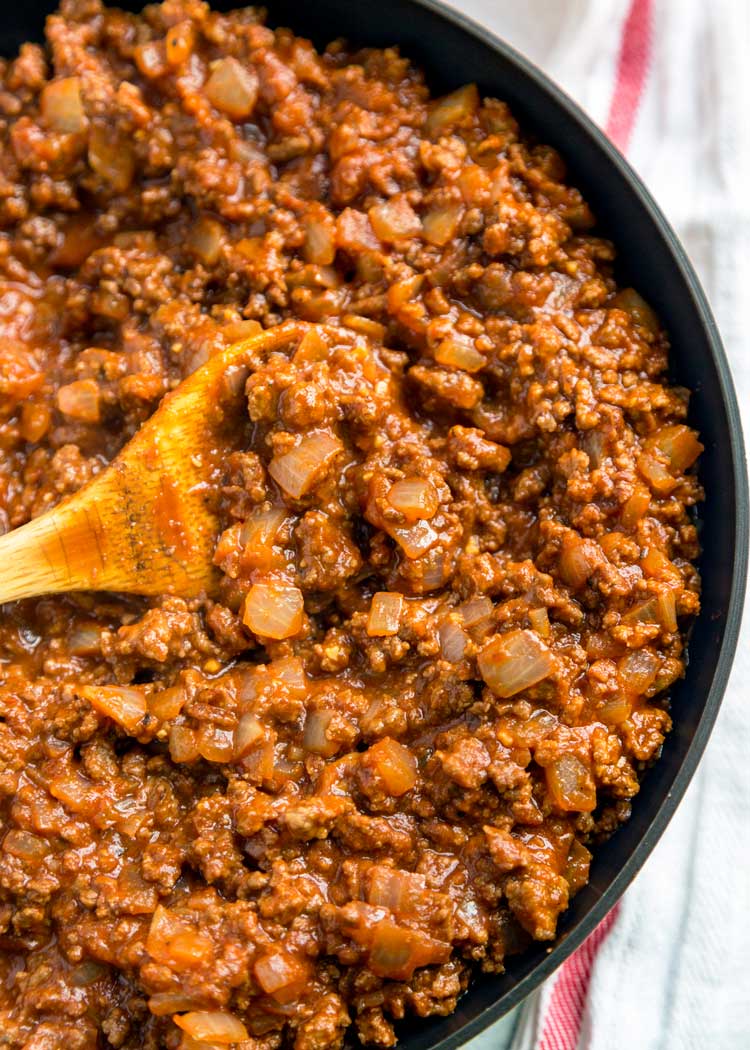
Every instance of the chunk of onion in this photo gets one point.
(515, 661)
(396, 951)
(399, 891)
(205, 239)
(172, 941)
(415, 498)
(439, 225)
(79, 400)
(656, 473)
(62, 106)
(637, 670)
(232, 88)
(354, 232)
(248, 732)
(415, 539)
(571, 785)
(458, 351)
(635, 506)
(215, 743)
(258, 535)
(273, 610)
(320, 240)
(452, 110)
(183, 746)
(385, 614)
(281, 974)
(475, 611)
(298, 470)
(679, 444)
(216, 1026)
(453, 642)
(167, 703)
(394, 764)
(666, 605)
(632, 303)
(539, 620)
(394, 220)
(315, 738)
(111, 158)
(123, 704)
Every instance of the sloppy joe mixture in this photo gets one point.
(456, 559)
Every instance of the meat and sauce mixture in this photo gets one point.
(455, 563)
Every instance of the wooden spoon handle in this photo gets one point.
(147, 524)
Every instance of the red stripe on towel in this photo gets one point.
(632, 67)
(562, 1023)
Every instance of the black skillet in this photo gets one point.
(454, 50)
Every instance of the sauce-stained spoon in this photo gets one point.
(147, 524)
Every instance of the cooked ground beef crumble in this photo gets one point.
(456, 567)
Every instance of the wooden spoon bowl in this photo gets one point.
(148, 523)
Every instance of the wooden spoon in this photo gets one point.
(148, 523)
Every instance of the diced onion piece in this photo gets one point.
(635, 507)
(315, 738)
(394, 220)
(85, 639)
(123, 704)
(539, 620)
(415, 498)
(414, 540)
(298, 470)
(178, 43)
(658, 566)
(399, 891)
(616, 710)
(579, 559)
(434, 570)
(259, 762)
(320, 240)
(666, 606)
(217, 1026)
(396, 951)
(215, 743)
(262, 527)
(62, 107)
(452, 110)
(394, 764)
(632, 303)
(373, 330)
(281, 974)
(313, 346)
(290, 672)
(679, 444)
(248, 732)
(439, 225)
(273, 610)
(475, 611)
(183, 746)
(25, 846)
(151, 59)
(593, 445)
(644, 612)
(205, 240)
(453, 642)
(80, 400)
(163, 1003)
(571, 785)
(656, 473)
(188, 1043)
(257, 536)
(354, 232)
(232, 88)
(166, 704)
(515, 661)
(458, 351)
(402, 292)
(637, 670)
(111, 158)
(385, 614)
(172, 941)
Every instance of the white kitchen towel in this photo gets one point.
(669, 80)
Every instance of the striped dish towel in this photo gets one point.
(669, 81)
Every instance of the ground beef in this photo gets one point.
(456, 558)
